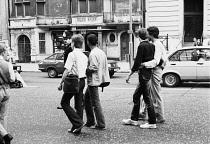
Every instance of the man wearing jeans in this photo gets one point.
(145, 53)
(97, 72)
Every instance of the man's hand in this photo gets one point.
(127, 79)
(60, 86)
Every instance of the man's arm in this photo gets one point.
(138, 59)
(94, 64)
(11, 73)
(153, 63)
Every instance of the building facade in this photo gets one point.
(4, 22)
(37, 26)
(181, 20)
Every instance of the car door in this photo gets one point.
(181, 63)
(203, 65)
(60, 63)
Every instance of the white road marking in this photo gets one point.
(172, 89)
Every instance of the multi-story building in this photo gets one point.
(37, 26)
(182, 20)
(4, 23)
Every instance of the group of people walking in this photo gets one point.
(95, 69)
(150, 61)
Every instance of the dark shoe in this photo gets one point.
(7, 138)
(59, 107)
(100, 128)
(142, 116)
(89, 124)
(160, 121)
(78, 130)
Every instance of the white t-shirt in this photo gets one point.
(76, 63)
(160, 53)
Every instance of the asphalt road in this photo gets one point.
(34, 119)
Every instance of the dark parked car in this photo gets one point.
(17, 67)
(54, 65)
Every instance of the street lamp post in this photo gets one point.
(130, 32)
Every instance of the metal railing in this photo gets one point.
(164, 41)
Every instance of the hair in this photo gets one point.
(3, 48)
(78, 40)
(153, 31)
(142, 33)
(92, 39)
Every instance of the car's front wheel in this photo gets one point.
(171, 80)
(111, 73)
(52, 73)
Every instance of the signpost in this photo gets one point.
(130, 33)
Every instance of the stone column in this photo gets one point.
(33, 47)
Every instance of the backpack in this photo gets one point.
(103, 84)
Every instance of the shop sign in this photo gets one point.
(87, 20)
(23, 22)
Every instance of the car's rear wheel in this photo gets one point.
(171, 80)
(52, 73)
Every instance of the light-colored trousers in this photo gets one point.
(155, 92)
(4, 100)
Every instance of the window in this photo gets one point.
(84, 4)
(42, 48)
(52, 57)
(22, 8)
(60, 56)
(92, 6)
(112, 38)
(40, 7)
(183, 55)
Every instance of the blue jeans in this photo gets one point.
(74, 117)
(143, 88)
(93, 105)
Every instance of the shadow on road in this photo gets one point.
(194, 84)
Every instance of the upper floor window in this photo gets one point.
(40, 4)
(42, 47)
(87, 6)
(22, 8)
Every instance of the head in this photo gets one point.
(194, 39)
(153, 32)
(142, 33)
(4, 51)
(77, 41)
(199, 41)
(92, 40)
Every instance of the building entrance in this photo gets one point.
(193, 19)
(24, 49)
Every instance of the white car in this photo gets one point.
(187, 64)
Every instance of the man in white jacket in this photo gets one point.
(97, 73)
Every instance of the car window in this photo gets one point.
(182, 55)
(203, 55)
(60, 56)
(52, 57)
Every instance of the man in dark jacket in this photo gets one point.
(6, 76)
(145, 53)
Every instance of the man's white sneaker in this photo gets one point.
(130, 122)
(148, 126)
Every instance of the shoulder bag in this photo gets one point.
(71, 83)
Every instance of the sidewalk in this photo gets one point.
(124, 67)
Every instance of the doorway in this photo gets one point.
(193, 20)
(124, 40)
(24, 49)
